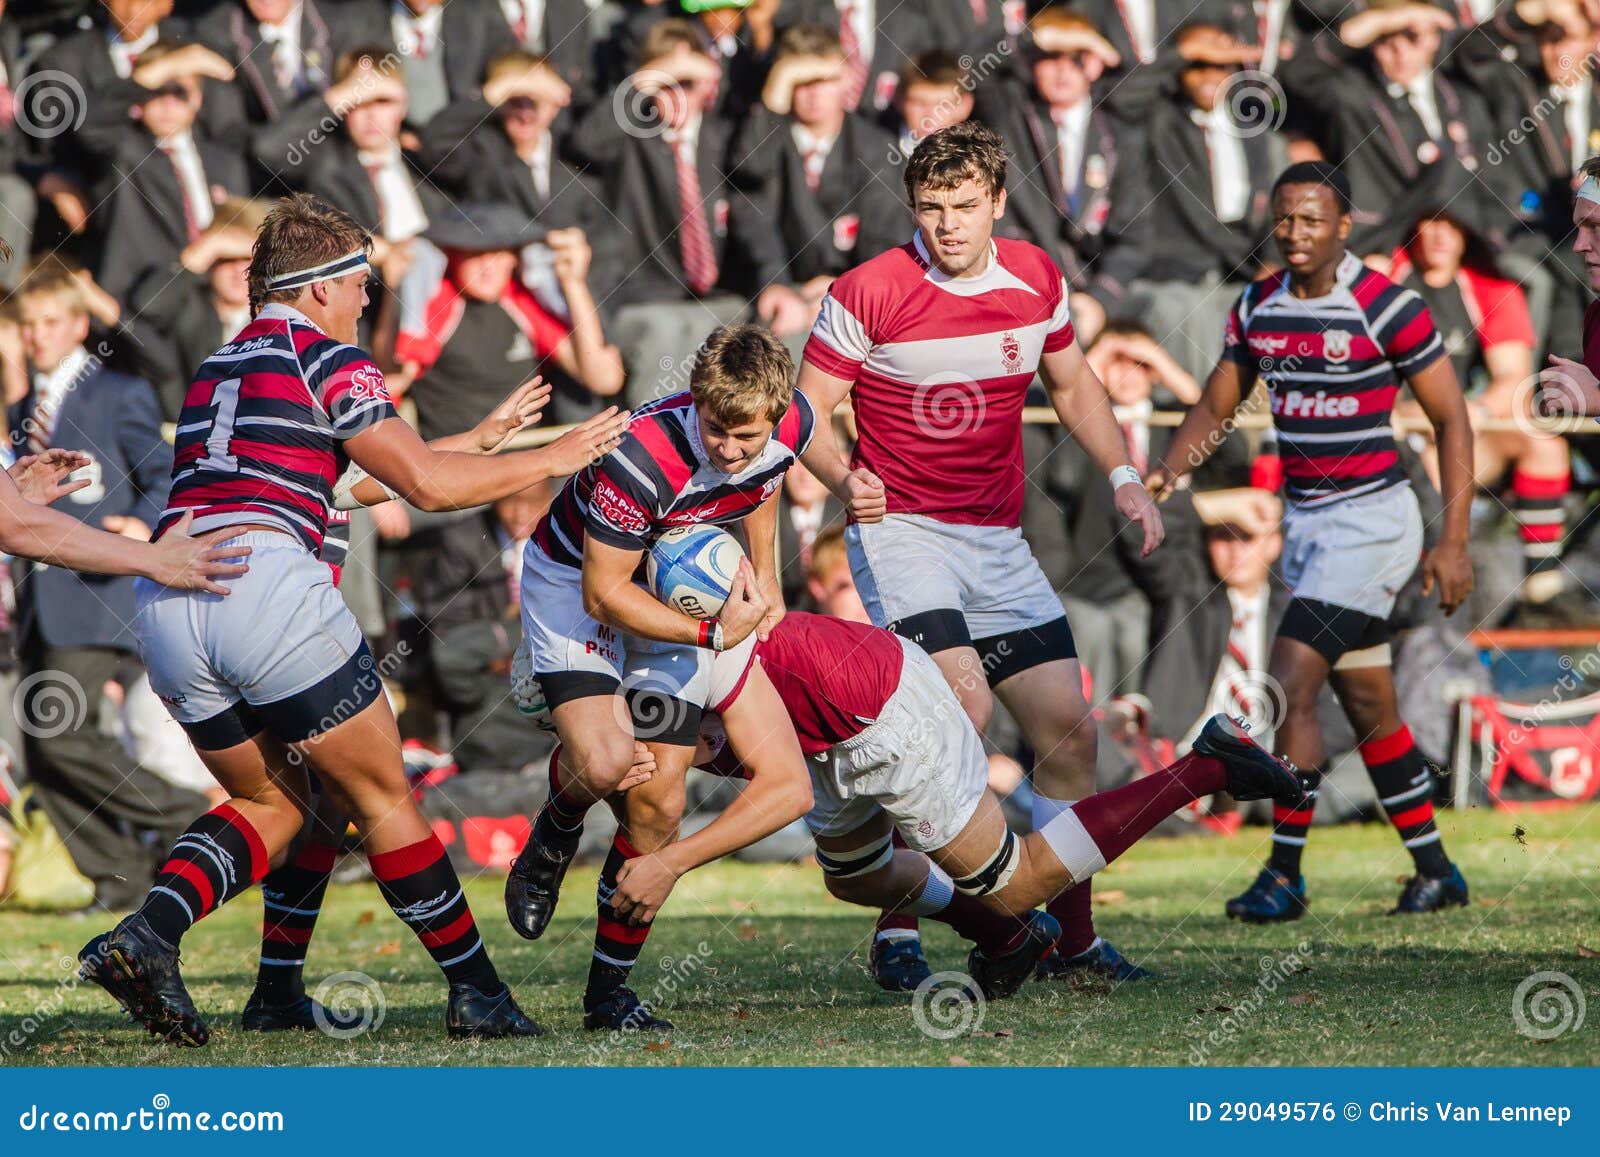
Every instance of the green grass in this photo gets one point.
(769, 970)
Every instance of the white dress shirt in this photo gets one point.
(1576, 102)
(1230, 173)
(1072, 131)
(123, 51)
(192, 176)
(412, 32)
(864, 22)
(403, 215)
(1419, 94)
(50, 389)
(531, 13)
(1140, 17)
(814, 150)
(284, 41)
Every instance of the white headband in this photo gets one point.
(1589, 190)
(339, 267)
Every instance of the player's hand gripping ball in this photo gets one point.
(691, 569)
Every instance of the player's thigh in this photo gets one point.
(963, 672)
(653, 810)
(1047, 702)
(359, 763)
(596, 742)
(1368, 697)
(855, 846)
(266, 784)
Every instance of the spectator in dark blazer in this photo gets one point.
(987, 32)
(1076, 186)
(1215, 606)
(1392, 120)
(501, 148)
(825, 193)
(169, 174)
(560, 32)
(444, 48)
(1210, 182)
(935, 91)
(282, 50)
(662, 156)
(879, 37)
(75, 630)
(178, 315)
(738, 37)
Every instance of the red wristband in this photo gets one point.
(708, 632)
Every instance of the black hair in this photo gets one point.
(1317, 173)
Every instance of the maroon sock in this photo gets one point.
(992, 931)
(896, 922)
(1074, 911)
(1118, 819)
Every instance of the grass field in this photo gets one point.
(758, 966)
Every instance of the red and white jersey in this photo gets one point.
(941, 367)
(834, 676)
(658, 478)
(261, 433)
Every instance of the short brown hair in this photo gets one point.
(517, 60)
(666, 35)
(936, 66)
(809, 40)
(376, 56)
(1591, 168)
(742, 373)
(1061, 18)
(301, 231)
(967, 151)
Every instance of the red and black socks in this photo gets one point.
(617, 943)
(421, 886)
(216, 858)
(559, 823)
(291, 902)
(1404, 785)
(1539, 506)
(1289, 828)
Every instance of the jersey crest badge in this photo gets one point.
(1011, 353)
(1336, 346)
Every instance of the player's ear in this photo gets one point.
(1000, 204)
(1344, 226)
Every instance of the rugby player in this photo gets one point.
(936, 343)
(276, 679)
(1334, 339)
(1568, 387)
(612, 663)
(892, 750)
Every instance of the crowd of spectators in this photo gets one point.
(584, 188)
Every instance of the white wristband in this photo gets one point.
(1123, 475)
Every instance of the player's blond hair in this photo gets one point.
(742, 373)
(827, 551)
(50, 276)
(301, 231)
(517, 60)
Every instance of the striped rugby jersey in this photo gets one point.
(658, 478)
(1333, 365)
(261, 433)
(941, 366)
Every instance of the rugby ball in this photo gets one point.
(691, 569)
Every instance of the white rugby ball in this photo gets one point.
(691, 569)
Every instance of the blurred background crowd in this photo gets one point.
(584, 188)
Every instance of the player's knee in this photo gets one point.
(856, 875)
(601, 761)
(654, 820)
(993, 878)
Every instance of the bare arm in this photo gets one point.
(45, 535)
(1447, 565)
(1204, 427)
(779, 792)
(1080, 401)
(583, 353)
(761, 539)
(394, 454)
(613, 598)
(860, 490)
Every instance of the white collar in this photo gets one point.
(385, 157)
(807, 141)
(282, 311)
(54, 383)
(1074, 117)
(1420, 88)
(151, 35)
(181, 142)
(286, 29)
(688, 134)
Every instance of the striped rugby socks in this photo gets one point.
(216, 858)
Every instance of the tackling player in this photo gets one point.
(1567, 387)
(936, 343)
(892, 750)
(277, 678)
(1334, 339)
(612, 663)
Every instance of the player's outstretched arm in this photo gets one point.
(520, 409)
(44, 535)
(761, 543)
(1204, 427)
(1447, 565)
(1081, 402)
(394, 454)
(778, 793)
(861, 491)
